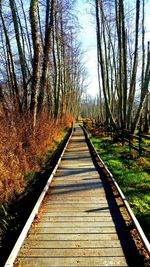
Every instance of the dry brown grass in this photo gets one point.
(22, 152)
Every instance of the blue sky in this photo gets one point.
(87, 37)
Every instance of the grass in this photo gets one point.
(132, 174)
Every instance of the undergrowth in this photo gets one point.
(23, 152)
(132, 174)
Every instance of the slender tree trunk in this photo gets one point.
(55, 76)
(27, 31)
(59, 64)
(47, 45)
(20, 50)
(40, 28)
(119, 33)
(144, 91)
(124, 74)
(100, 91)
(143, 43)
(36, 58)
(134, 69)
(63, 65)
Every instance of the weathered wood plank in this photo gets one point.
(68, 236)
(98, 213)
(72, 244)
(82, 199)
(74, 230)
(75, 261)
(78, 207)
(85, 224)
(77, 190)
(73, 252)
(81, 202)
(74, 219)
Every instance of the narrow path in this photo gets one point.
(75, 226)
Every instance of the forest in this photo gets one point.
(43, 80)
(123, 52)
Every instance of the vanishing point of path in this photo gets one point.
(76, 226)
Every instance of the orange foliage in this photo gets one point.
(22, 152)
(96, 131)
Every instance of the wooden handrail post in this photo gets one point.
(130, 142)
(140, 138)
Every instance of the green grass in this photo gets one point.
(131, 172)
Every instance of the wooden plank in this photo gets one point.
(87, 192)
(72, 244)
(71, 252)
(74, 230)
(97, 213)
(75, 224)
(77, 182)
(75, 236)
(74, 219)
(79, 204)
(80, 187)
(76, 199)
(73, 261)
(78, 207)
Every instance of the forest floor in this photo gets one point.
(131, 172)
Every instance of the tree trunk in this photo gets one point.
(20, 50)
(144, 91)
(27, 32)
(134, 69)
(36, 59)
(124, 74)
(47, 45)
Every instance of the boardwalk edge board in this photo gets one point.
(134, 219)
(12, 257)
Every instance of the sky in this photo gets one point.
(87, 37)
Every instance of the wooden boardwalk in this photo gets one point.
(76, 226)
